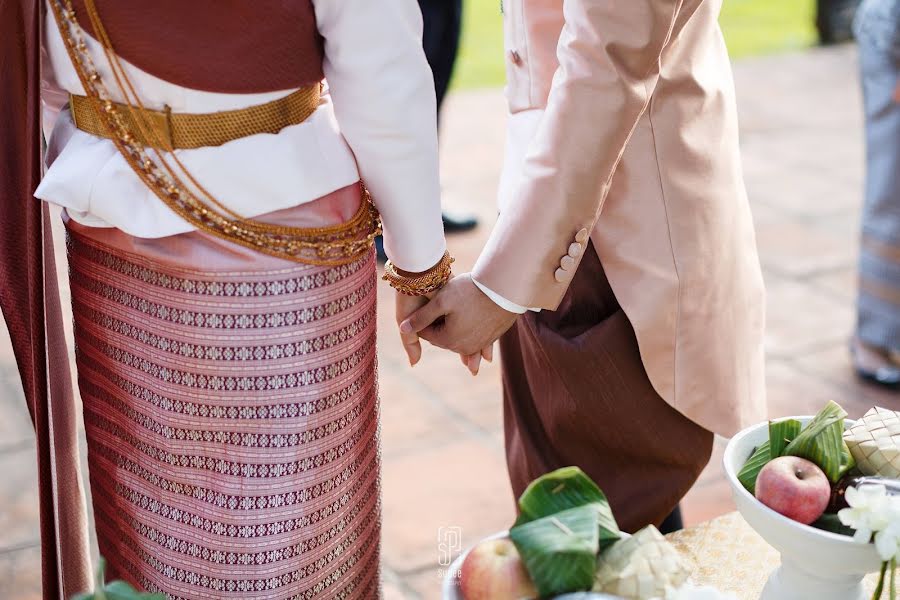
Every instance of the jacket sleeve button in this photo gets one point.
(567, 263)
(560, 275)
(582, 236)
(575, 249)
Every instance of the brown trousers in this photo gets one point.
(576, 393)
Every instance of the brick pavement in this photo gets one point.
(443, 448)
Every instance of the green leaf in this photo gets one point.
(564, 521)
(561, 490)
(560, 550)
(116, 590)
(831, 522)
(782, 433)
(822, 441)
(119, 590)
(848, 463)
(556, 491)
(758, 459)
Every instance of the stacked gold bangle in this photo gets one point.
(420, 284)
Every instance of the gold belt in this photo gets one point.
(192, 130)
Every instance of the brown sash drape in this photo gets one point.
(29, 298)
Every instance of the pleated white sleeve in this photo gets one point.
(384, 101)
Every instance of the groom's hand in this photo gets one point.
(460, 318)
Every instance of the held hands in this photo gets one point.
(406, 306)
(459, 318)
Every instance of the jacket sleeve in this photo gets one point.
(384, 100)
(609, 62)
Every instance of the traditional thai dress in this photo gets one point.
(230, 395)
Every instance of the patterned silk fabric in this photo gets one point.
(231, 415)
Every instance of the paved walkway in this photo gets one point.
(443, 449)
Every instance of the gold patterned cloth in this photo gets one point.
(731, 557)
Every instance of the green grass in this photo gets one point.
(480, 61)
(752, 27)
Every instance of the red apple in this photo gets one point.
(794, 487)
(493, 570)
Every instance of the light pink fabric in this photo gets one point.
(231, 413)
(628, 115)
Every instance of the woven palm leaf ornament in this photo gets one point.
(874, 441)
(644, 565)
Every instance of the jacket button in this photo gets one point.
(582, 236)
(567, 263)
(575, 249)
(515, 57)
(561, 276)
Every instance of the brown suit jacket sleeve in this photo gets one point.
(609, 61)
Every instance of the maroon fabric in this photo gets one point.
(230, 46)
(576, 393)
(29, 300)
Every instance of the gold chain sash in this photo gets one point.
(159, 168)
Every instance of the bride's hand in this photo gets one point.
(405, 306)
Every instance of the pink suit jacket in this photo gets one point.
(637, 142)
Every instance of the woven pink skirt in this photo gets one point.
(231, 413)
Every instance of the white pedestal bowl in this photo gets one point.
(815, 564)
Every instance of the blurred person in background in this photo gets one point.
(442, 26)
(876, 347)
(834, 20)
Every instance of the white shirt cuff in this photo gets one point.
(503, 302)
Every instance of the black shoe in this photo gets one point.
(452, 224)
(886, 375)
(673, 522)
(458, 222)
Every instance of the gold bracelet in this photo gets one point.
(420, 284)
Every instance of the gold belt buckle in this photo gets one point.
(72, 112)
(168, 126)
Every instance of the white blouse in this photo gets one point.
(377, 120)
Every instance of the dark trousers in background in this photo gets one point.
(443, 24)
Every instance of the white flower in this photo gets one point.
(887, 541)
(871, 510)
